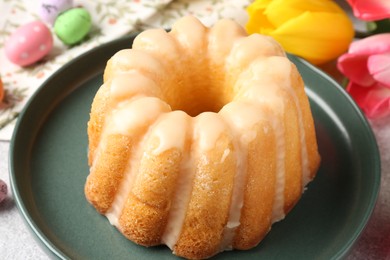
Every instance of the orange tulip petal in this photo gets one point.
(280, 11)
(313, 36)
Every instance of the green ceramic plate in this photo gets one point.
(48, 168)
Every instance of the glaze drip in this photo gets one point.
(190, 109)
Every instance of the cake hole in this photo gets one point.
(196, 92)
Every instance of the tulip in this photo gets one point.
(370, 10)
(367, 65)
(374, 101)
(317, 30)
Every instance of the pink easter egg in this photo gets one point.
(49, 10)
(29, 43)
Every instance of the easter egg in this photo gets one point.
(48, 10)
(3, 190)
(29, 43)
(73, 25)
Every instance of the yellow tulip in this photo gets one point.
(316, 30)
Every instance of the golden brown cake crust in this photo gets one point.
(200, 138)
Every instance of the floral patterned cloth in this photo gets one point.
(111, 19)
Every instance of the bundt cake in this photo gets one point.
(200, 138)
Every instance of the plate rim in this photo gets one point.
(375, 155)
(49, 247)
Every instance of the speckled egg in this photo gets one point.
(3, 190)
(73, 25)
(48, 10)
(29, 43)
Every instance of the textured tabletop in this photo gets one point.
(16, 241)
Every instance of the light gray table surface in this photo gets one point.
(16, 241)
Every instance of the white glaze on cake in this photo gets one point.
(219, 63)
(211, 124)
